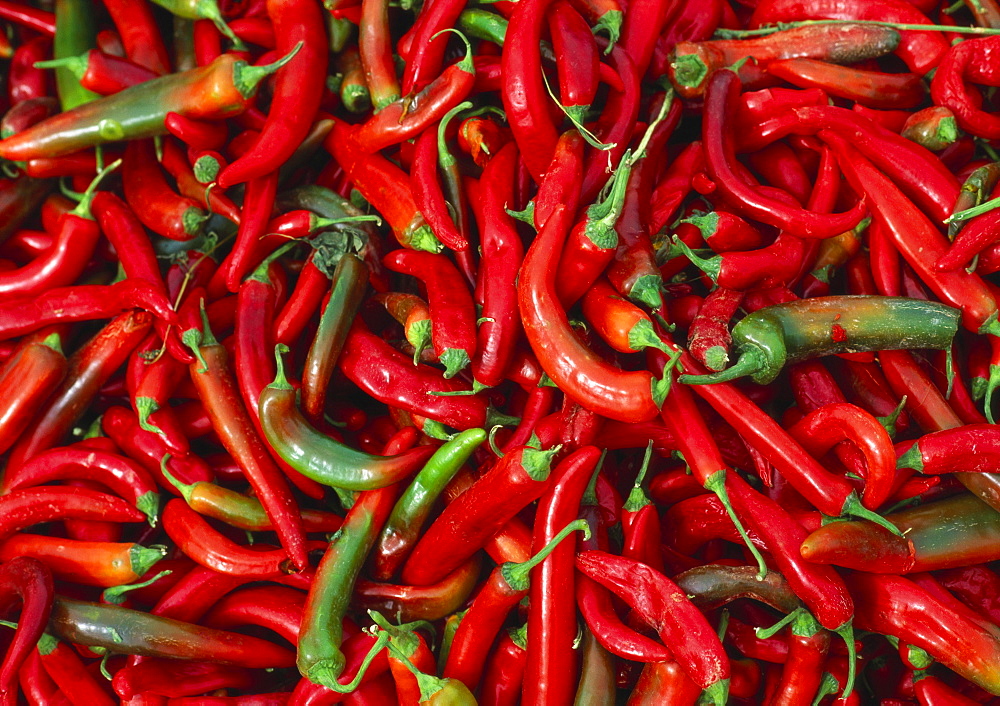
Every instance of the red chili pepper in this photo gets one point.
(664, 606)
(27, 379)
(139, 34)
(196, 134)
(427, 192)
(578, 371)
(720, 99)
(505, 673)
(297, 93)
(29, 581)
(24, 81)
(708, 335)
(30, 506)
(577, 59)
(38, 20)
(385, 186)
(620, 323)
(125, 232)
(453, 313)
(92, 563)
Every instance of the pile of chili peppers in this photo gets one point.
(536, 351)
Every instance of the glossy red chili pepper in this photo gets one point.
(428, 194)
(28, 581)
(578, 371)
(577, 59)
(513, 482)
(139, 35)
(196, 134)
(24, 81)
(178, 679)
(967, 62)
(453, 313)
(104, 73)
(385, 186)
(27, 379)
(504, 675)
(125, 232)
(720, 100)
(870, 88)
(29, 506)
(298, 90)
(620, 323)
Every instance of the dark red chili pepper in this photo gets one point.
(578, 371)
(28, 580)
(196, 134)
(708, 335)
(139, 35)
(25, 82)
(298, 90)
(27, 379)
(934, 128)
(720, 100)
(427, 192)
(89, 368)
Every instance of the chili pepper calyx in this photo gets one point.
(829, 685)
(611, 23)
(916, 658)
(144, 558)
(149, 504)
(711, 266)
(648, 290)
(637, 497)
(716, 358)
(537, 463)
(246, 78)
(192, 338)
(420, 236)
(206, 169)
(144, 407)
(280, 382)
(54, 341)
(911, 458)
(642, 335)
(525, 216)
(689, 71)
(751, 362)
(718, 692)
(454, 360)
(194, 219)
(765, 633)
(466, 64)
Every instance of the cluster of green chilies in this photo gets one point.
(531, 351)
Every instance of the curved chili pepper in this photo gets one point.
(221, 396)
(414, 315)
(133, 632)
(104, 564)
(525, 99)
(596, 385)
(320, 457)
(298, 90)
(823, 325)
(30, 581)
(196, 134)
(200, 541)
(427, 192)
(30, 506)
(720, 98)
(159, 207)
(320, 658)
(411, 510)
(432, 602)
(277, 607)
(453, 320)
(667, 609)
(177, 679)
(968, 61)
(871, 88)
(221, 89)
(897, 606)
(833, 423)
(121, 475)
(516, 480)
(979, 233)
(42, 364)
(390, 376)
(125, 232)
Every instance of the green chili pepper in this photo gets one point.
(75, 34)
(412, 509)
(320, 457)
(807, 328)
(220, 89)
(319, 656)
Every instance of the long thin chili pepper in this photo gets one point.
(595, 384)
(220, 394)
(104, 564)
(43, 364)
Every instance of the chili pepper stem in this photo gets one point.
(116, 594)
(144, 407)
(326, 672)
(846, 631)
(765, 633)
(718, 692)
(517, 574)
(246, 78)
(716, 483)
(828, 686)
(637, 498)
(852, 506)
(149, 505)
(749, 362)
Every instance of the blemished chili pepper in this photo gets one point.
(220, 393)
(693, 62)
(871, 88)
(27, 378)
(221, 89)
(720, 100)
(298, 90)
(390, 376)
(665, 607)
(320, 658)
(103, 564)
(578, 371)
(956, 531)
(513, 482)
(807, 328)
(403, 526)
(432, 602)
(896, 606)
(128, 631)
(708, 335)
(321, 457)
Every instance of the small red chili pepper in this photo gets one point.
(577, 59)
(481, 138)
(25, 82)
(620, 323)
